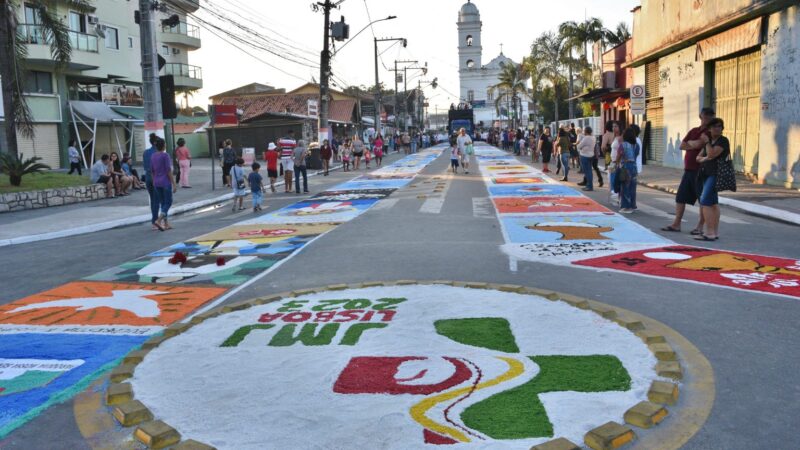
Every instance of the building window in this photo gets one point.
(77, 22)
(489, 95)
(469, 40)
(39, 82)
(112, 38)
(164, 50)
(130, 42)
(470, 64)
(470, 96)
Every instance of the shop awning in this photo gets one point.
(132, 112)
(99, 111)
(729, 42)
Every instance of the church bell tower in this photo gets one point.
(469, 43)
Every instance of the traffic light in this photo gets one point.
(168, 109)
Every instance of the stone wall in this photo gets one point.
(17, 201)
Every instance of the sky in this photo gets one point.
(429, 26)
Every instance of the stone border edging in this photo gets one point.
(156, 434)
(133, 220)
(45, 198)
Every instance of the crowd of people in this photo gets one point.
(621, 151)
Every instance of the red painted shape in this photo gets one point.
(437, 439)
(506, 205)
(376, 375)
(722, 268)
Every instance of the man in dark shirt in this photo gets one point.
(689, 189)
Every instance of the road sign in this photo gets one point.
(638, 103)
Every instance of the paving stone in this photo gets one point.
(131, 413)
(270, 299)
(191, 444)
(337, 287)
(205, 316)
(609, 436)
(604, 312)
(405, 282)
(477, 285)
(576, 302)
(176, 329)
(122, 372)
(645, 415)
(669, 369)
(663, 392)
(235, 307)
(444, 282)
(556, 444)
(629, 323)
(651, 337)
(153, 342)
(119, 393)
(663, 352)
(301, 292)
(510, 288)
(156, 434)
(135, 357)
(372, 284)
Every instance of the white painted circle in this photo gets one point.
(256, 396)
(667, 255)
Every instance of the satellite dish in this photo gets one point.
(100, 30)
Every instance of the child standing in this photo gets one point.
(238, 183)
(367, 156)
(256, 186)
(346, 150)
(455, 155)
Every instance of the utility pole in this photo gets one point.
(377, 83)
(396, 93)
(324, 74)
(151, 89)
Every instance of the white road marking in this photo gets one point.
(483, 208)
(384, 204)
(694, 209)
(649, 210)
(432, 205)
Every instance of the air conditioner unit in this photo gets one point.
(176, 51)
(100, 30)
(94, 20)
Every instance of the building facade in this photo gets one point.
(736, 56)
(105, 67)
(477, 79)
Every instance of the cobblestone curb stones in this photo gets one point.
(609, 436)
(557, 444)
(645, 415)
(156, 434)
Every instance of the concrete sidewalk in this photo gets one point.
(70, 220)
(770, 202)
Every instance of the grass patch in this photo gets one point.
(40, 181)
(493, 333)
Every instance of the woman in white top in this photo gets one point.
(586, 152)
(616, 144)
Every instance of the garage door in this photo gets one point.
(737, 99)
(43, 145)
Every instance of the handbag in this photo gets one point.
(726, 176)
(239, 183)
(624, 174)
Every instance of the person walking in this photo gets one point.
(545, 147)
(689, 188)
(563, 151)
(256, 183)
(271, 157)
(74, 158)
(163, 182)
(148, 182)
(346, 152)
(238, 184)
(228, 160)
(573, 144)
(586, 152)
(184, 158)
(595, 161)
(455, 154)
(605, 143)
(463, 142)
(626, 171)
(300, 155)
(326, 153)
(287, 145)
(378, 150)
(358, 151)
(616, 144)
(717, 149)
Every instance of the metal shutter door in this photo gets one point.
(737, 94)
(43, 145)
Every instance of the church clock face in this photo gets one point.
(470, 64)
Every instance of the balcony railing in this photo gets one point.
(183, 28)
(34, 34)
(183, 70)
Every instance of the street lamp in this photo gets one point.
(377, 81)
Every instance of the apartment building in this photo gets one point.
(98, 96)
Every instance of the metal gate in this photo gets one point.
(655, 114)
(737, 99)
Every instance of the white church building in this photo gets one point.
(476, 78)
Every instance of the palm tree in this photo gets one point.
(534, 68)
(550, 55)
(577, 36)
(14, 53)
(513, 81)
(618, 36)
